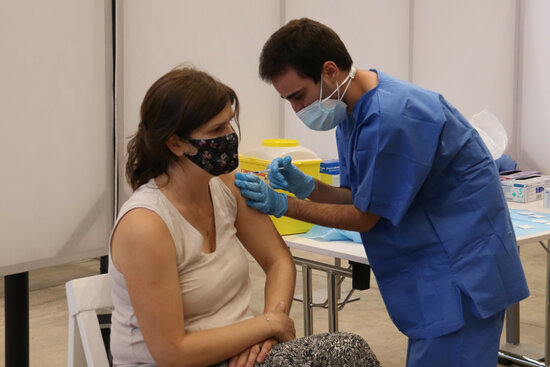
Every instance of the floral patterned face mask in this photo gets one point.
(217, 155)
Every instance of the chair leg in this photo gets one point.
(76, 357)
(92, 342)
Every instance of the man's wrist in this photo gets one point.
(309, 186)
(283, 207)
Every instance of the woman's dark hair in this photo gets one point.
(304, 45)
(178, 103)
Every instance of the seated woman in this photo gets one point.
(179, 275)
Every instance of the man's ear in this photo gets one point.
(330, 70)
(179, 147)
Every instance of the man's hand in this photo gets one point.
(289, 178)
(260, 196)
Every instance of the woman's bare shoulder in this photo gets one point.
(229, 181)
(139, 234)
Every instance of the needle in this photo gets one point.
(264, 171)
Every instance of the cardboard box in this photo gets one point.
(330, 172)
(526, 189)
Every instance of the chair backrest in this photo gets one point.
(84, 297)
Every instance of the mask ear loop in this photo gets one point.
(330, 95)
(321, 91)
(350, 76)
(321, 99)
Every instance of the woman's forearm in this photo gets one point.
(206, 347)
(279, 284)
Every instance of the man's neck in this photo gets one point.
(364, 81)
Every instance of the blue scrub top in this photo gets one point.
(410, 157)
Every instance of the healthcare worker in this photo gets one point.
(416, 181)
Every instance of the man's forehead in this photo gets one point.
(290, 82)
(288, 74)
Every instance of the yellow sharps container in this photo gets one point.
(306, 160)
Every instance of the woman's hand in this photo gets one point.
(256, 353)
(282, 329)
(266, 348)
(246, 358)
(282, 326)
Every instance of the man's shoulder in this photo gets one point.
(399, 98)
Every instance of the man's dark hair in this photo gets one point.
(304, 45)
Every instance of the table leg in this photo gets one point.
(332, 280)
(16, 311)
(333, 273)
(512, 324)
(547, 328)
(307, 300)
(338, 263)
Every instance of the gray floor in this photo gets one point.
(367, 316)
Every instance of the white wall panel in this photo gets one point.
(56, 135)
(376, 34)
(223, 38)
(466, 50)
(56, 140)
(534, 127)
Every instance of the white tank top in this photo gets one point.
(215, 287)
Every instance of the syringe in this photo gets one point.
(264, 171)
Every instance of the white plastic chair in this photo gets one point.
(85, 296)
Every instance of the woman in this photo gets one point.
(179, 276)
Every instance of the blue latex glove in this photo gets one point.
(506, 163)
(260, 196)
(290, 178)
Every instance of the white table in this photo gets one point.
(346, 250)
(512, 350)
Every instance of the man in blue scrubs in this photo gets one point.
(417, 182)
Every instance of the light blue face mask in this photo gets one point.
(325, 114)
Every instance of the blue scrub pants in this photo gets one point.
(476, 344)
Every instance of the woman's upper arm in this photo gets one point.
(146, 256)
(256, 231)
